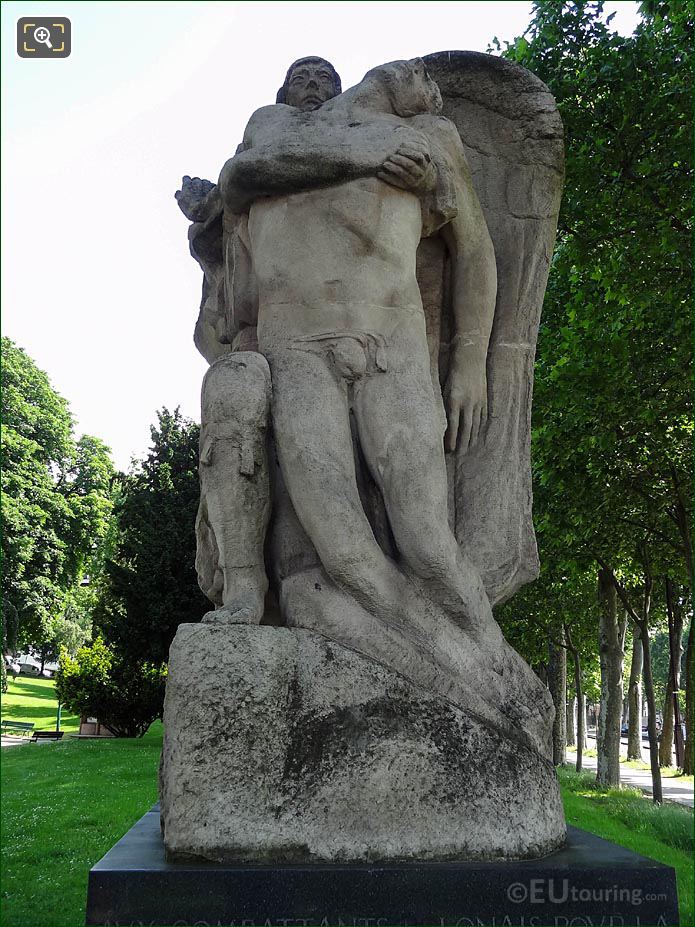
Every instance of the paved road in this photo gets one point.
(673, 789)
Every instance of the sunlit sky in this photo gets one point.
(98, 285)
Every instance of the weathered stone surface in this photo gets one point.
(283, 746)
(513, 138)
(234, 486)
(384, 266)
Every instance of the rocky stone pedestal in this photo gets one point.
(282, 747)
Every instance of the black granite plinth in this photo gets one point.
(588, 882)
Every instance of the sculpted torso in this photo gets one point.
(351, 245)
(340, 256)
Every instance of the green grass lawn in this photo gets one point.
(631, 819)
(65, 804)
(30, 699)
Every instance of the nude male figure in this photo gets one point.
(341, 324)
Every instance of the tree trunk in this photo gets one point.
(666, 740)
(579, 700)
(651, 712)
(688, 749)
(634, 699)
(541, 670)
(611, 653)
(581, 711)
(585, 722)
(571, 735)
(557, 684)
(671, 711)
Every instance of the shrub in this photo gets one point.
(124, 695)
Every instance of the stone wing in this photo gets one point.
(512, 134)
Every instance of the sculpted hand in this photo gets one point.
(191, 196)
(410, 167)
(465, 396)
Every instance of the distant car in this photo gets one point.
(29, 669)
(12, 665)
(645, 733)
(624, 729)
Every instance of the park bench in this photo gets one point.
(46, 735)
(17, 727)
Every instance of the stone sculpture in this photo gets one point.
(374, 265)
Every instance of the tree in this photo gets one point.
(613, 426)
(8, 620)
(125, 696)
(150, 584)
(689, 706)
(634, 698)
(612, 627)
(557, 683)
(56, 498)
(551, 619)
(671, 727)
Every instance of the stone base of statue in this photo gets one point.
(588, 881)
(283, 747)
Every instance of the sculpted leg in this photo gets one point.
(401, 437)
(234, 488)
(314, 444)
(370, 603)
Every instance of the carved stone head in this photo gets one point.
(309, 83)
(408, 86)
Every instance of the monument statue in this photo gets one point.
(374, 264)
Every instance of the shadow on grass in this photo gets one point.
(31, 686)
(26, 712)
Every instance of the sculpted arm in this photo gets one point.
(474, 291)
(285, 152)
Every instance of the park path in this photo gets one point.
(673, 789)
(9, 741)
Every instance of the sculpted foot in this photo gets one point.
(233, 614)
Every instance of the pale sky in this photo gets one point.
(97, 285)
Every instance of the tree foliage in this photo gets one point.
(613, 423)
(56, 499)
(124, 695)
(150, 582)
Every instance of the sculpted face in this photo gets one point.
(410, 88)
(310, 84)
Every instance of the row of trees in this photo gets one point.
(612, 433)
(147, 588)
